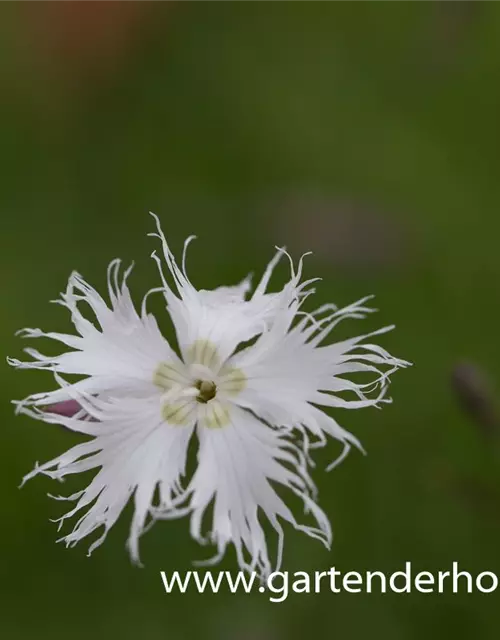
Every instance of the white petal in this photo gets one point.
(119, 348)
(136, 451)
(236, 465)
(221, 317)
(226, 295)
(287, 371)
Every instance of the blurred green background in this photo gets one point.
(366, 132)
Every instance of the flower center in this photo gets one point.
(199, 388)
(207, 390)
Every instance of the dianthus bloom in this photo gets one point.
(249, 381)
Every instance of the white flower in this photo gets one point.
(249, 379)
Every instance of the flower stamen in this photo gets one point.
(207, 390)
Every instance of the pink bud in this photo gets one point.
(67, 408)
